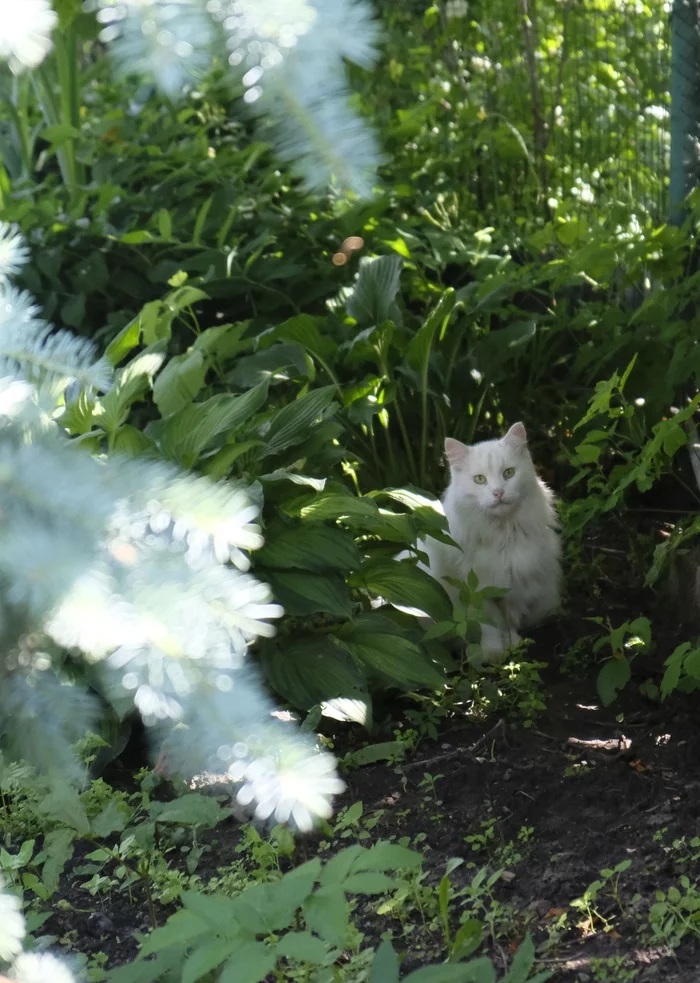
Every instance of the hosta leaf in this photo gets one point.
(405, 585)
(312, 670)
(349, 711)
(273, 361)
(313, 548)
(420, 346)
(399, 660)
(223, 341)
(132, 441)
(157, 316)
(304, 330)
(310, 593)
(185, 436)
(127, 339)
(330, 504)
(130, 385)
(180, 381)
(373, 298)
(292, 424)
(492, 351)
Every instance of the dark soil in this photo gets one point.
(595, 785)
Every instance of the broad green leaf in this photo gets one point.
(64, 804)
(304, 330)
(310, 593)
(292, 424)
(692, 664)
(349, 711)
(283, 360)
(127, 339)
(325, 913)
(78, 413)
(209, 955)
(311, 670)
(223, 341)
(314, 548)
(494, 350)
(212, 910)
(130, 385)
(58, 848)
(112, 819)
(373, 298)
(523, 962)
(421, 345)
(60, 133)
(201, 219)
(155, 969)
(302, 947)
(278, 903)
(179, 382)
(467, 940)
(157, 316)
(386, 751)
(475, 971)
(179, 931)
(250, 964)
(73, 311)
(613, 677)
(193, 809)
(331, 505)
(186, 435)
(219, 465)
(165, 225)
(405, 585)
(392, 856)
(339, 867)
(399, 660)
(133, 442)
(368, 882)
(385, 965)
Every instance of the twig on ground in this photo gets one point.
(459, 751)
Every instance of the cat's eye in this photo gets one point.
(480, 479)
(509, 472)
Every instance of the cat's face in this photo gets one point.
(494, 475)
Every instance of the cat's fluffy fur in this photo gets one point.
(506, 528)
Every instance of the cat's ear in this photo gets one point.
(516, 436)
(455, 452)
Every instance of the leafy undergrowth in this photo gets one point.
(567, 825)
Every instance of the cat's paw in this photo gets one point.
(495, 646)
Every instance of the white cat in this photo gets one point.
(502, 516)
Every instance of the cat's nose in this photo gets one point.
(497, 493)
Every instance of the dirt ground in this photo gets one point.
(592, 787)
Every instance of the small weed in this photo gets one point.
(676, 913)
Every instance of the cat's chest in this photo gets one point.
(500, 557)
